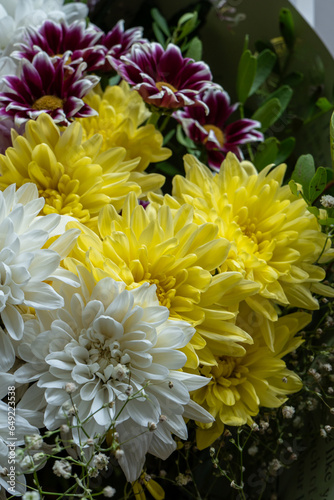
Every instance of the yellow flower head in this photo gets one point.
(121, 113)
(165, 248)
(240, 385)
(274, 239)
(73, 176)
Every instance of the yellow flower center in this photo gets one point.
(250, 230)
(165, 297)
(229, 371)
(50, 102)
(218, 133)
(63, 204)
(160, 85)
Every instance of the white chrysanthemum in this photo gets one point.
(24, 264)
(16, 15)
(113, 343)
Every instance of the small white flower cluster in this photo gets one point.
(327, 201)
(62, 468)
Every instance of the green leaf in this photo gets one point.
(332, 138)
(160, 21)
(183, 19)
(285, 149)
(265, 63)
(246, 75)
(266, 153)
(184, 140)
(168, 137)
(314, 210)
(188, 26)
(323, 104)
(114, 80)
(294, 188)
(326, 222)
(167, 168)
(317, 184)
(268, 113)
(287, 27)
(194, 50)
(158, 34)
(304, 172)
(283, 94)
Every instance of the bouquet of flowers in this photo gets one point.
(165, 292)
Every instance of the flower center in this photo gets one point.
(218, 133)
(165, 297)
(106, 358)
(160, 86)
(229, 371)
(49, 102)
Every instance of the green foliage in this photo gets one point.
(268, 113)
(246, 75)
(287, 27)
(266, 153)
(195, 49)
(265, 63)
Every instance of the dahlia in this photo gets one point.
(78, 42)
(122, 354)
(46, 86)
(240, 385)
(164, 78)
(167, 249)
(121, 113)
(73, 176)
(211, 130)
(275, 240)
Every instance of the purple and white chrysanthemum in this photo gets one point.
(165, 78)
(74, 41)
(47, 86)
(118, 42)
(212, 131)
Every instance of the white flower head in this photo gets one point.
(24, 264)
(105, 339)
(62, 468)
(109, 491)
(31, 495)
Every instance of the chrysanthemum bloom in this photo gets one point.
(166, 249)
(122, 354)
(275, 240)
(78, 42)
(241, 385)
(24, 264)
(118, 42)
(121, 113)
(164, 78)
(16, 15)
(73, 176)
(211, 130)
(47, 86)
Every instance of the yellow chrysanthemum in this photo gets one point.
(74, 176)
(121, 114)
(274, 239)
(167, 249)
(240, 385)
